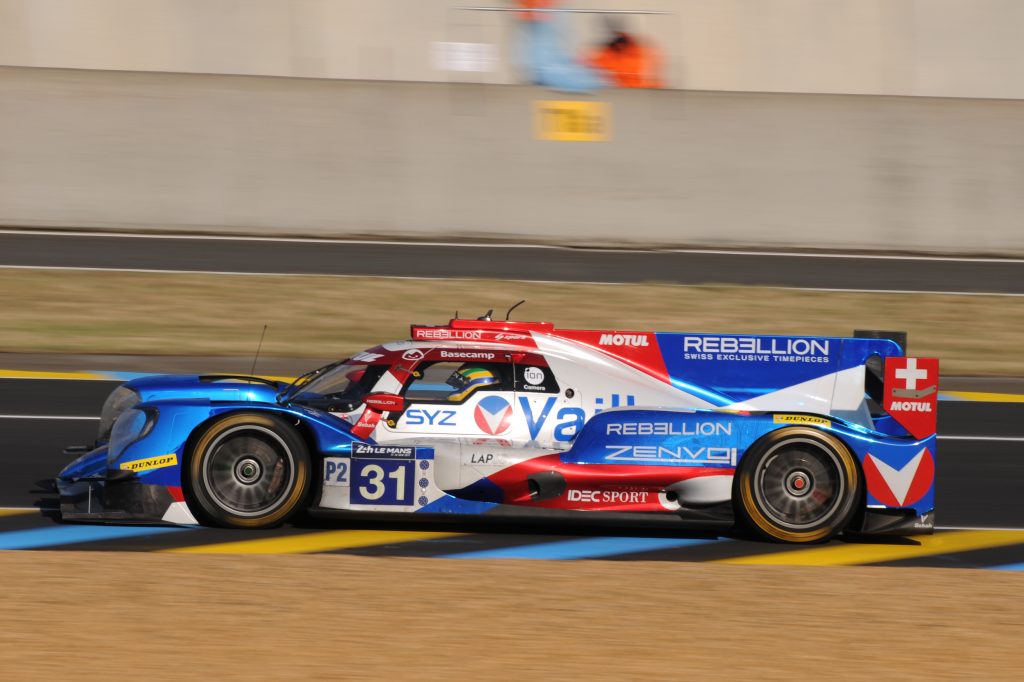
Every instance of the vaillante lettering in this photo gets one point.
(635, 340)
(670, 429)
(755, 349)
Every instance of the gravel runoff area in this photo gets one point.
(94, 616)
(209, 315)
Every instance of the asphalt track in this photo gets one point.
(978, 495)
(513, 262)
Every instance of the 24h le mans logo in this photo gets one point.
(493, 415)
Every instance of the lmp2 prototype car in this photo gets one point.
(796, 438)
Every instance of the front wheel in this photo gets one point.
(249, 471)
(799, 485)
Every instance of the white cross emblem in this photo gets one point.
(911, 374)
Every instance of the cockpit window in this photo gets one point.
(342, 388)
(456, 381)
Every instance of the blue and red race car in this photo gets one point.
(797, 438)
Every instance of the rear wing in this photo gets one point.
(911, 392)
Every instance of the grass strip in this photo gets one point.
(316, 316)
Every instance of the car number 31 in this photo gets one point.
(376, 481)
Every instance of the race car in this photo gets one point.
(794, 438)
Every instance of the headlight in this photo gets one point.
(131, 426)
(121, 398)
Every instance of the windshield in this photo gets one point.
(305, 379)
(341, 388)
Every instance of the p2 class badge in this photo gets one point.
(336, 471)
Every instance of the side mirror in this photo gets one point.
(384, 402)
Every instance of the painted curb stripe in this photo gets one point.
(585, 548)
(313, 542)
(32, 374)
(69, 535)
(855, 554)
(17, 511)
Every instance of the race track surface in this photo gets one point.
(554, 264)
(980, 470)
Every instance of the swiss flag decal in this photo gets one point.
(900, 487)
(911, 393)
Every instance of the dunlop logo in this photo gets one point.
(140, 465)
(802, 419)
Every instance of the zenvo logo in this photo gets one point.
(634, 340)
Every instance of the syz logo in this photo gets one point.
(420, 417)
(634, 340)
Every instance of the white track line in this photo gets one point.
(46, 416)
(234, 273)
(505, 245)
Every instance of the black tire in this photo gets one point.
(798, 485)
(249, 470)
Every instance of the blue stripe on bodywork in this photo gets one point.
(584, 548)
(69, 535)
(1009, 567)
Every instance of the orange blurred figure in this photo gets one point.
(627, 62)
(535, 4)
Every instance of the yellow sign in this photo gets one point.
(140, 465)
(802, 419)
(572, 121)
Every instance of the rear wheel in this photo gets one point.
(249, 471)
(799, 485)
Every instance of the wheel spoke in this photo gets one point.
(248, 474)
(799, 485)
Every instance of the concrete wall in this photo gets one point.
(322, 157)
(935, 48)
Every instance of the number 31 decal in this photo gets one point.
(382, 482)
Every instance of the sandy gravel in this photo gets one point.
(69, 615)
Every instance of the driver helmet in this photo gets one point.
(466, 379)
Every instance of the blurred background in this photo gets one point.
(840, 128)
(854, 124)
